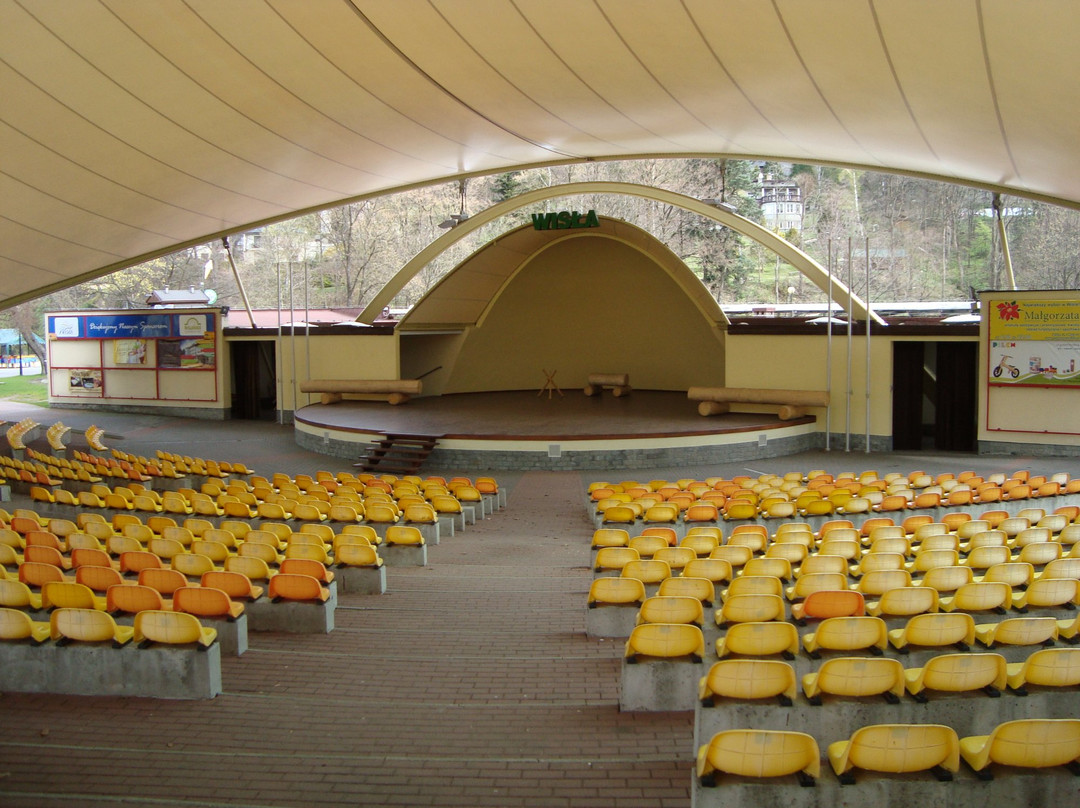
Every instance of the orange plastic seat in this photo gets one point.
(165, 581)
(203, 601)
(237, 586)
(297, 587)
(131, 599)
(824, 604)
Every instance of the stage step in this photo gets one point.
(397, 453)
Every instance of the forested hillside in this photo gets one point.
(927, 240)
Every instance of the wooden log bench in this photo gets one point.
(792, 403)
(617, 383)
(393, 391)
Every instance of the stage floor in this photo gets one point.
(524, 415)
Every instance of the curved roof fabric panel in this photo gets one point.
(130, 129)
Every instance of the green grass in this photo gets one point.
(25, 389)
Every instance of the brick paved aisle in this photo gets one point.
(469, 683)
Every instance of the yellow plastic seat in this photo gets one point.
(646, 570)
(1018, 631)
(1039, 554)
(979, 596)
(1048, 593)
(935, 631)
(946, 579)
(847, 634)
(927, 560)
(1013, 573)
(736, 555)
(1047, 667)
(687, 586)
(18, 625)
(822, 563)
(878, 582)
(193, 565)
(87, 625)
(70, 595)
(856, 677)
(759, 639)
(849, 549)
(958, 673)
(665, 641)
(986, 556)
(756, 608)
(358, 555)
(679, 557)
(754, 585)
(1062, 568)
(616, 591)
(609, 537)
(904, 601)
(772, 567)
(254, 569)
(747, 679)
(171, 628)
(714, 569)
(879, 561)
(759, 753)
(1037, 743)
(671, 609)
(897, 749)
(806, 585)
(257, 550)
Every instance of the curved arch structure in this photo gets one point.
(816, 273)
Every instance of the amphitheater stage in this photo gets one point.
(524, 430)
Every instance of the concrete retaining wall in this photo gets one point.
(98, 669)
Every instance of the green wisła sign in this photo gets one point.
(564, 220)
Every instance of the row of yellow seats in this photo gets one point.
(89, 625)
(845, 634)
(861, 677)
(1034, 743)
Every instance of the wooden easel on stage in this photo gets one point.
(549, 384)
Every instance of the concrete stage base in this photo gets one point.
(518, 430)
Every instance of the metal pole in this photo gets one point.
(850, 391)
(307, 325)
(292, 336)
(828, 350)
(240, 283)
(277, 354)
(1005, 254)
(20, 354)
(869, 308)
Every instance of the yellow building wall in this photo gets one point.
(332, 356)
(799, 362)
(590, 306)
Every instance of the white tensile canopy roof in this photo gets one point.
(129, 129)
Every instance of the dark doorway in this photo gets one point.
(254, 380)
(934, 396)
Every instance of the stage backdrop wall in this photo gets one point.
(589, 305)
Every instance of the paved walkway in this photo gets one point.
(469, 683)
